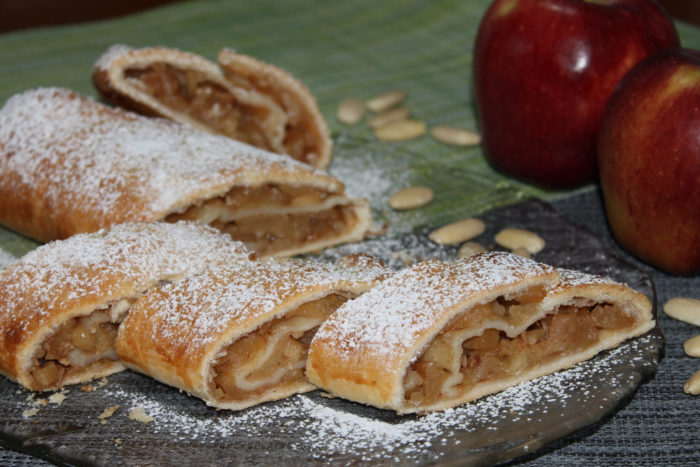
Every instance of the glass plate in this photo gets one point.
(65, 427)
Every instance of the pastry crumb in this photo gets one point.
(139, 414)
(117, 441)
(106, 413)
(87, 388)
(58, 397)
(40, 402)
(30, 412)
(327, 395)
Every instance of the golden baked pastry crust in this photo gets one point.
(251, 101)
(191, 334)
(69, 165)
(49, 299)
(440, 334)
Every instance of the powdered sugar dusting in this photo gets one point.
(332, 430)
(81, 157)
(390, 317)
(193, 313)
(571, 278)
(396, 250)
(95, 267)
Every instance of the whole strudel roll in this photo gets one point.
(440, 334)
(69, 165)
(251, 101)
(61, 304)
(239, 336)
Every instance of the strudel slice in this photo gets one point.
(239, 336)
(61, 304)
(441, 334)
(251, 101)
(69, 164)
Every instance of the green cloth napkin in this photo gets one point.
(338, 49)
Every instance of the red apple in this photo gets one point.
(649, 161)
(543, 70)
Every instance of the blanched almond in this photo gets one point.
(389, 116)
(411, 197)
(470, 249)
(684, 309)
(458, 232)
(351, 110)
(692, 386)
(139, 414)
(691, 347)
(520, 238)
(386, 100)
(401, 130)
(455, 136)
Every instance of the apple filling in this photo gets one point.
(274, 355)
(79, 345)
(457, 361)
(273, 218)
(247, 116)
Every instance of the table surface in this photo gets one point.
(362, 48)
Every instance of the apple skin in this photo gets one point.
(543, 71)
(649, 161)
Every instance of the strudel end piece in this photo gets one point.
(441, 334)
(69, 164)
(61, 304)
(251, 101)
(237, 337)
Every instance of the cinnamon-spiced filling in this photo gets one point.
(77, 345)
(455, 362)
(274, 355)
(272, 218)
(247, 116)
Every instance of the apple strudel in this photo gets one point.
(239, 336)
(61, 304)
(441, 334)
(250, 101)
(69, 164)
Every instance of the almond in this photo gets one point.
(520, 238)
(401, 130)
(455, 136)
(351, 110)
(684, 309)
(386, 100)
(458, 232)
(411, 197)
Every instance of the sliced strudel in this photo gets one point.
(251, 101)
(239, 336)
(69, 164)
(441, 334)
(61, 304)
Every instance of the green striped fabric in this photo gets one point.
(338, 49)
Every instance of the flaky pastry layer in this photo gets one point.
(247, 100)
(441, 334)
(69, 165)
(236, 337)
(61, 304)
